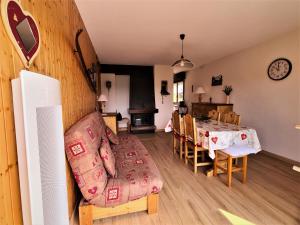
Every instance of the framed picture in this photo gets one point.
(217, 80)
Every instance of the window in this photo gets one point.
(178, 92)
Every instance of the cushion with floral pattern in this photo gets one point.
(113, 138)
(107, 156)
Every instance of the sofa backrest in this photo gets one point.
(82, 142)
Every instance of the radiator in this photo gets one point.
(40, 147)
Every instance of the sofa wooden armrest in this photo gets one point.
(88, 213)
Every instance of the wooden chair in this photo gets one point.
(191, 143)
(178, 133)
(225, 157)
(237, 120)
(214, 115)
(229, 117)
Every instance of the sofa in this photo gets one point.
(115, 173)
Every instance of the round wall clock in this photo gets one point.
(279, 69)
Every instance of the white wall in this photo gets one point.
(118, 96)
(271, 107)
(111, 105)
(122, 94)
(163, 72)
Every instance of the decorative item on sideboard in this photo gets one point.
(102, 99)
(227, 90)
(200, 90)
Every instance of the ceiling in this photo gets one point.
(146, 32)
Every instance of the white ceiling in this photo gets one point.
(146, 32)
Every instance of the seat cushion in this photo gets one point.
(239, 150)
(113, 138)
(107, 156)
(82, 142)
(138, 175)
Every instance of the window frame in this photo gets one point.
(183, 91)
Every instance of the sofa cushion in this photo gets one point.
(138, 175)
(107, 156)
(113, 138)
(82, 142)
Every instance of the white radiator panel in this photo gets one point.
(52, 163)
(35, 98)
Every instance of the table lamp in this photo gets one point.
(200, 90)
(102, 99)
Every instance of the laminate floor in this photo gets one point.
(271, 195)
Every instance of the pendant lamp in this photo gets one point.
(182, 65)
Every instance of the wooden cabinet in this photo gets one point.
(203, 108)
(110, 120)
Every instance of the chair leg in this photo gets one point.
(180, 148)
(195, 159)
(216, 163)
(229, 171)
(186, 153)
(245, 168)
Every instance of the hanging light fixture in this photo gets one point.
(182, 65)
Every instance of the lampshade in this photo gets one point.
(200, 90)
(102, 98)
(182, 65)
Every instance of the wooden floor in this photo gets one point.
(271, 196)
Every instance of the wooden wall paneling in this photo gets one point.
(9, 156)
(58, 22)
(2, 207)
(11, 142)
(5, 194)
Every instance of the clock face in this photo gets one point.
(279, 69)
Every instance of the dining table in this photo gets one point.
(215, 135)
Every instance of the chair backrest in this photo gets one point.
(190, 128)
(237, 120)
(177, 123)
(214, 115)
(229, 117)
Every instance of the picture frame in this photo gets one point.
(217, 80)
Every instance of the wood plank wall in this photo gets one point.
(58, 21)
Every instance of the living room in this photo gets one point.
(140, 66)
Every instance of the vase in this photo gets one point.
(227, 99)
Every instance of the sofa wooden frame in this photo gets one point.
(88, 212)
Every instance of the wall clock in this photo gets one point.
(279, 69)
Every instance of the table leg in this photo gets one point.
(229, 171)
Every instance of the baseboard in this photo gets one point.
(282, 158)
(160, 130)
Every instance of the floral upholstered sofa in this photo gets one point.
(113, 172)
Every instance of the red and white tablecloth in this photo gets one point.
(214, 135)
